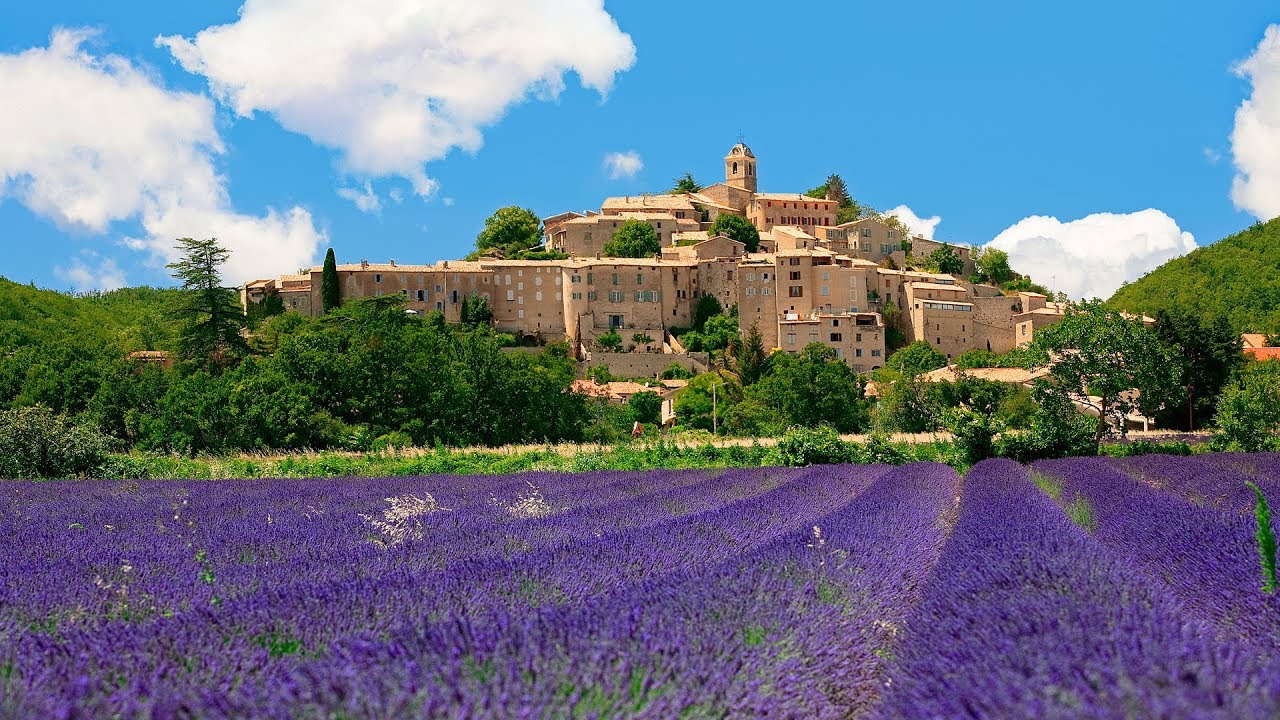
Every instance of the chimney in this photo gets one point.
(446, 263)
(393, 262)
(364, 264)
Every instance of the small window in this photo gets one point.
(791, 338)
(377, 277)
(795, 274)
(796, 291)
(837, 337)
(639, 278)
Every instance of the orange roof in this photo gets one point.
(1263, 353)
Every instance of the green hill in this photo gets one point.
(1237, 277)
(127, 319)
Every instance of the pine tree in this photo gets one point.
(837, 191)
(211, 314)
(750, 355)
(330, 293)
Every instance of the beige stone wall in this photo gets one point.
(528, 297)
(994, 322)
(871, 239)
(757, 304)
(857, 339)
(586, 237)
(920, 247)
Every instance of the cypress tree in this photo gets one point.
(330, 295)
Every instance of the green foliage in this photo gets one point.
(330, 290)
(696, 403)
(676, 371)
(510, 231)
(1266, 539)
(706, 308)
(1054, 430)
(750, 358)
(269, 307)
(540, 255)
(599, 374)
(946, 260)
(801, 446)
(634, 239)
(717, 334)
(1096, 352)
(641, 338)
(36, 443)
(685, 184)
(904, 406)
(211, 314)
(395, 440)
(1243, 271)
(916, 359)
(610, 341)
(834, 188)
(810, 389)
(476, 311)
(1023, 283)
(993, 265)
(973, 432)
(646, 408)
(1248, 412)
(1208, 352)
(736, 227)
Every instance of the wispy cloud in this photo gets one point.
(623, 164)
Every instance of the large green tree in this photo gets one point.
(634, 239)
(993, 265)
(1107, 361)
(510, 231)
(736, 227)
(1249, 408)
(813, 388)
(1208, 353)
(211, 315)
(946, 260)
(750, 357)
(330, 292)
(834, 188)
(917, 358)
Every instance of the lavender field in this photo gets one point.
(1087, 587)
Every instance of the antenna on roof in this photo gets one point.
(741, 137)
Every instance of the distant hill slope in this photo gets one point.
(1238, 277)
(131, 318)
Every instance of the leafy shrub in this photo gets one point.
(974, 433)
(393, 441)
(1266, 539)
(812, 446)
(880, 449)
(1055, 430)
(36, 443)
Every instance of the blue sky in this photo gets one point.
(983, 115)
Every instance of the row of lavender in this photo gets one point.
(824, 592)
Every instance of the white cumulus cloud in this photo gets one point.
(1091, 257)
(623, 164)
(365, 199)
(395, 84)
(923, 227)
(1255, 140)
(87, 141)
(91, 271)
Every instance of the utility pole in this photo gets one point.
(1191, 420)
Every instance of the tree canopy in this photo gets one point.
(736, 227)
(993, 265)
(915, 359)
(510, 231)
(834, 188)
(1097, 353)
(685, 184)
(211, 314)
(1207, 353)
(634, 239)
(1237, 278)
(946, 260)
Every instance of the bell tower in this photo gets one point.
(740, 168)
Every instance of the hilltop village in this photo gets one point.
(810, 279)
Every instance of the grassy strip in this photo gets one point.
(639, 456)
